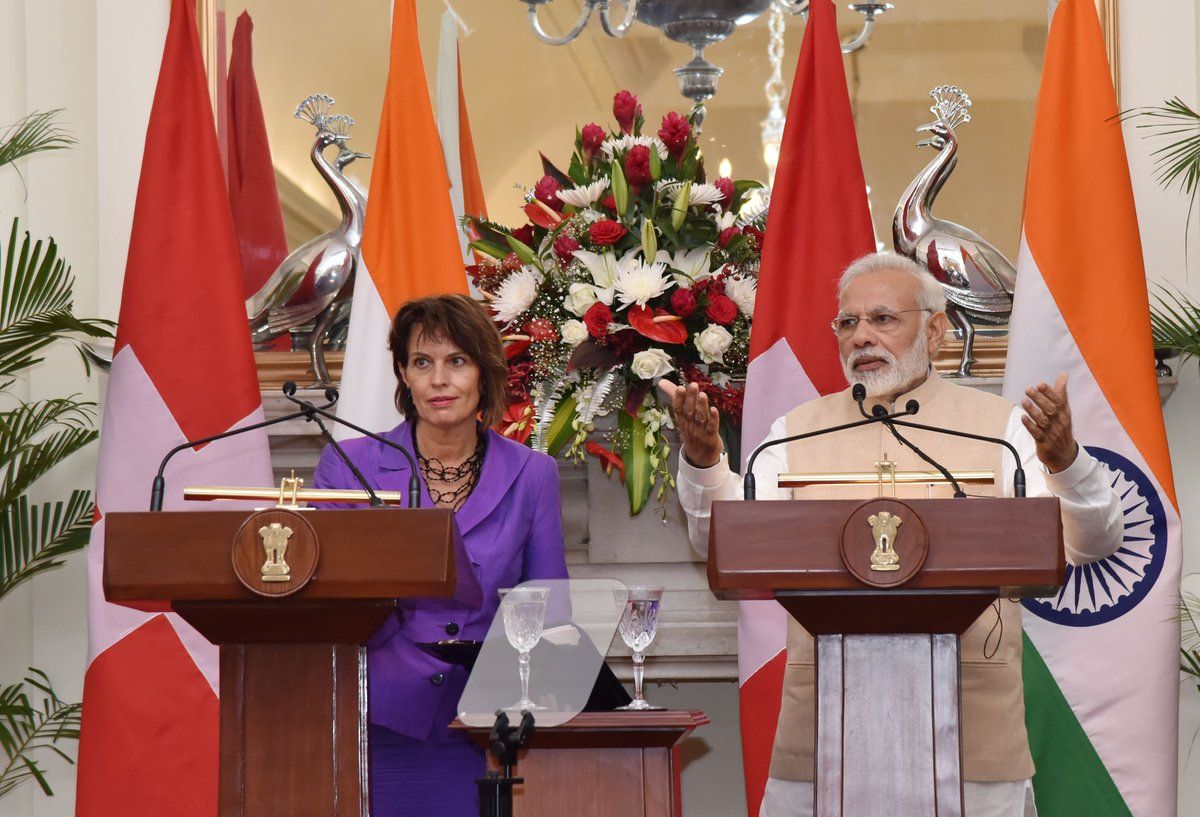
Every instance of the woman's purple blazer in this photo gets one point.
(511, 525)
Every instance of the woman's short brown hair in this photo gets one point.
(464, 323)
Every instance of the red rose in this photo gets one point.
(725, 185)
(637, 166)
(683, 302)
(757, 234)
(541, 330)
(721, 309)
(592, 137)
(597, 319)
(609, 203)
(606, 232)
(626, 109)
(565, 247)
(524, 235)
(546, 191)
(511, 263)
(675, 132)
(727, 235)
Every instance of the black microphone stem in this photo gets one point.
(880, 411)
(1018, 472)
(414, 480)
(158, 487)
(748, 482)
(376, 502)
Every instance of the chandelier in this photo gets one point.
(697, 23)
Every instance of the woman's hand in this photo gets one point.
(697, 422)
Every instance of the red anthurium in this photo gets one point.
(608, 459)
(515, 348)
(658, 324)
(542, 216)
(518, 421)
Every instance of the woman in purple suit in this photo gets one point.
(451, 371)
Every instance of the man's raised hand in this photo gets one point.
(697, 422)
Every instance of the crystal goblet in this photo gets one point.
(524, 611)
(639, 622)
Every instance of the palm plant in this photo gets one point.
(1175, 318)
(28, 728)
(35, 436)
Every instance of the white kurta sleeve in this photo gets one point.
(698, 488)
(1093, 525)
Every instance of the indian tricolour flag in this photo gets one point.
(410, 245)
(1101, 657)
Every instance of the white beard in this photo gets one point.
(909, 367)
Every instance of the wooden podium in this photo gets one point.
(618, 763)
(886, 602)
(290, 597)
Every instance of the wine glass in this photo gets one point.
(524, 610)
(639, 622)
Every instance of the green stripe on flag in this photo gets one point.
(1071, 780)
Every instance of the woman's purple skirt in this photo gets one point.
(423, 778)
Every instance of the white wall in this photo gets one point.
(98, 60)
(1159, 44)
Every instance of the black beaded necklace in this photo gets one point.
(467, 473)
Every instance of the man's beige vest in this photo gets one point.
(995, 746)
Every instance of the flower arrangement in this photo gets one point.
(632, 267)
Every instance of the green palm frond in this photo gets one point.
(34, 538)
(36, 133)
(1177, 163)
(29, 728)
(35, 303)
(1175, 322)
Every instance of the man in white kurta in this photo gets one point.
(891, 320)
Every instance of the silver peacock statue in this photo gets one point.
(315, 283)
(976, 277)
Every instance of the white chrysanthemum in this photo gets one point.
(691, 265)
(698, 194)
(641, 282)
(516, 293)
(756, 204)
(624, 143)
(581, 197)
(742, 291)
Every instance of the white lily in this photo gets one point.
(691, 265)
(724, 220)
(581, 197)
(604, 267)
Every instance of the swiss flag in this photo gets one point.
(819, 223)
(183, 369)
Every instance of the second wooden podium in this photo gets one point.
(886, 587)
(290, 597)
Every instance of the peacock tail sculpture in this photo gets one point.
(315, 283)
(976, 277)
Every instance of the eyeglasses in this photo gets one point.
(885, 322)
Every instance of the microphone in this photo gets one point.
(911, 407)
(748, 483)
(1018, 472)
(159, 486)
(311, 412)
